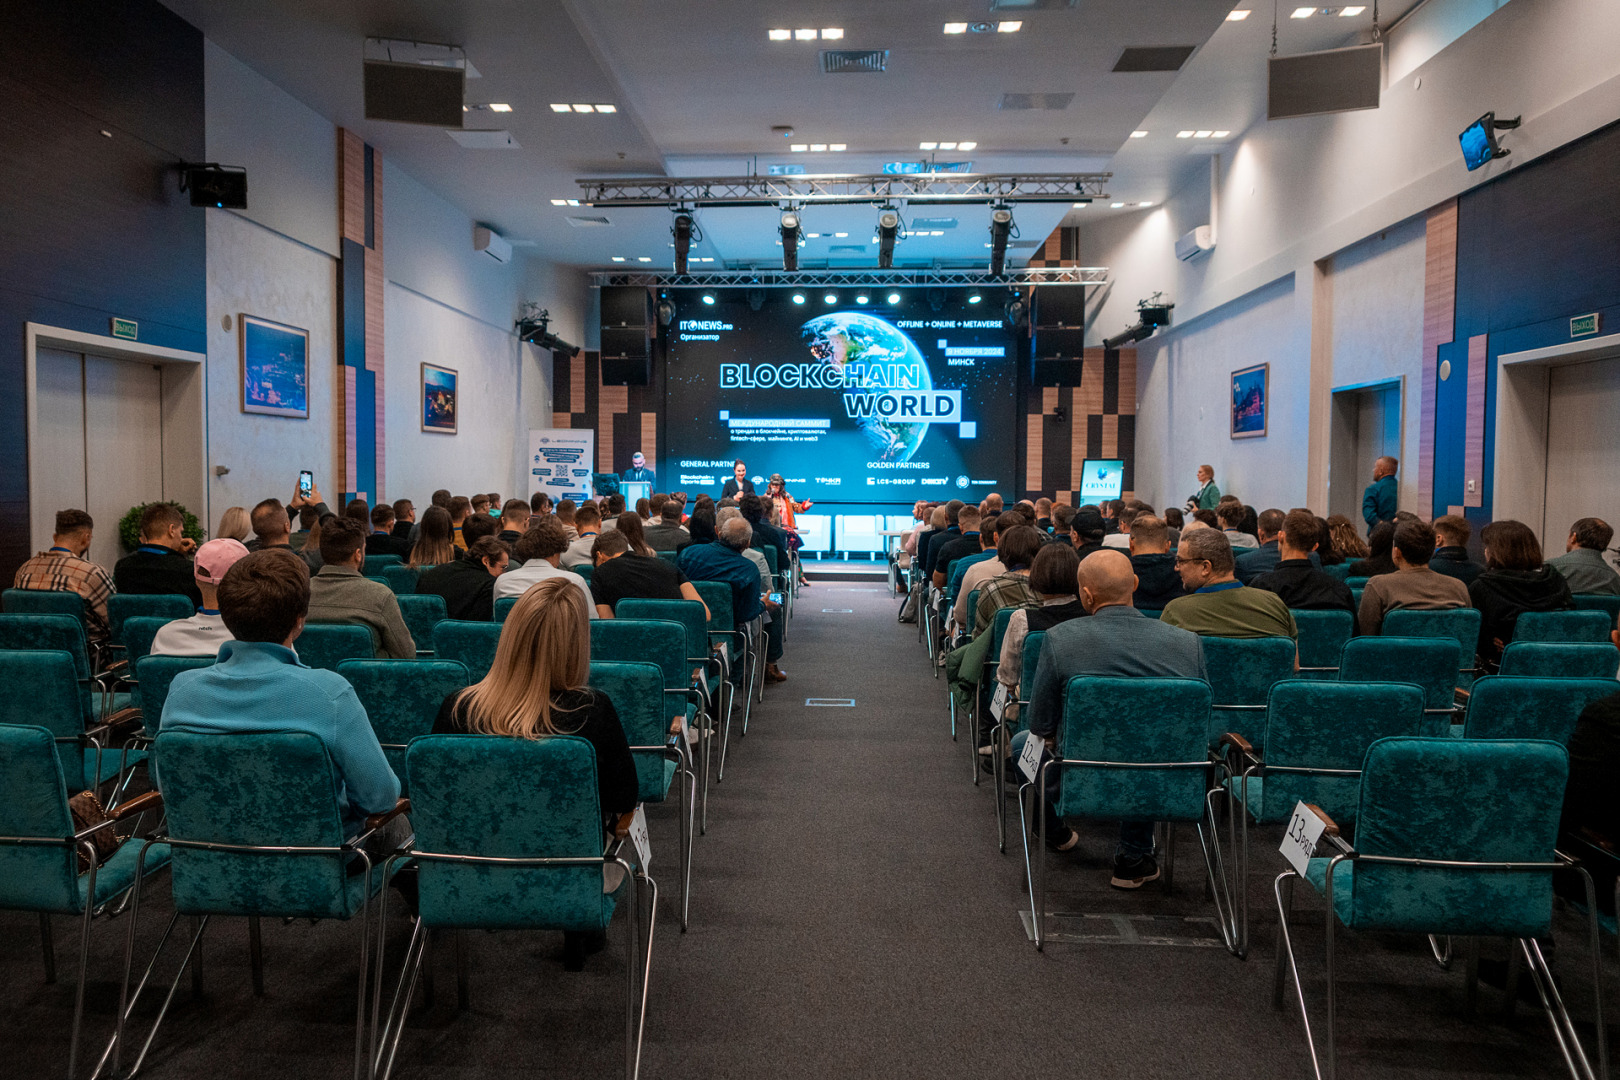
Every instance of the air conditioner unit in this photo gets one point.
(491, 243)
(1195, 243)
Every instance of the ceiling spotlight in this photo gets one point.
(789, 228)
(682, 231)
(666, 309)
(1203, 134)
(643, 258)
(893, 298)
(1001, 228)
(830, 298)
(618, 258)
(708, 298)
(584, 108)
(840, 235)
(1139, 134)
(600, 109)
(1144, 204)
(1080, 205)
(818, 148)
(947, 146)
(974, 298)
(1303, 13)
(956, 28)
(559, 202)
(1009, 27)
(787, 35)
(1237, 15)
(798, 298)
(888, 231)
(862, 298)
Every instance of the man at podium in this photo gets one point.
(638, 470)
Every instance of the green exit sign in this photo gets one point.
(1583, 325)
(128, 329)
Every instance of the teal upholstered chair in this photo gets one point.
(1599, 602)
(1317, 734)
(422, 612)
(1355, 582)
(45, 602)
(503, 608)
(375, 564)
(46, 689)
(255, 829)
(40, 851)
(584, 570)
(667, 556)
(65, 633)
(1563, 626)
(471, 643)
(1029, 660)
(509, 837)
(326, 645)
(1111, 771)
(401, 578)
(155, 675)
(733, 648)
(699, 656)
(139, 633)
(1322, 635)
(1453, 836)
(121, 607)
(1508, 707)
(1459, 624)
(1428, 662)
(1338, 571)
(402, 699)
(637, 692)
(1560, 660)
(1241, 673)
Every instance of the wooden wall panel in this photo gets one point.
(1439, 320)
(1474, 432)
(351, 186)
(1099, 422)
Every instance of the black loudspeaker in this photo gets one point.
(627, 335)
(1337, 80)
(1059, 306)
(1055, 356)
(626, 305)
(414, 93)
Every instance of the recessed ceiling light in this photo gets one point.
(1138, 134)
(956, 27)
(818, 148)
(967, 146)
(1080, 205)
(607, 108)
(584, 108)
(1345, 13)
(947, 146)
(838, 147)
(832, 33)
(573, 202)
(928, 146)
(1203, 133)
(799, 147)
(559, 202)
(643, 258)
(813, 235)
(840, 235)
(555, 107)
(1117, 205)
(1220, 134)
(618, 258)
(1144, 204)
(780, 35)
(804, 35)
(499, 106)
(1184, 134)
(1303, 13)
(1237, 15)
(708, 298)
(1009, 27)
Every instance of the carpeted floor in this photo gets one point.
(851, 917)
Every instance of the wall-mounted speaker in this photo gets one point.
(414, 93)
(626, 305)
(1055, 355)
(627, 328)
(1059, 306)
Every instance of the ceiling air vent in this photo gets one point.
(851, 61)
(1049, 102)
(1154, 58)
(588, 222)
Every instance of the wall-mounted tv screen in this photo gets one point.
(1478, 142)
(1102, 478)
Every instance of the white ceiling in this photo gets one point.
(698, 87)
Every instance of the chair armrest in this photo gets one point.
(138, 805)
(621, 827)
(124, 718)
(1332, 827)
(377, 821)
(117, 667)
(1244, 745)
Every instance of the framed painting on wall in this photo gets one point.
(438, 399)
(1251, 392)
(274, 367)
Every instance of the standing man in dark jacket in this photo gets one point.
(1157, 582)
(162, 564)
(1378, 501)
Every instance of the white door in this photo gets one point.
(1583, 457)
(99, 441)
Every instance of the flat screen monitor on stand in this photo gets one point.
(1102, 478)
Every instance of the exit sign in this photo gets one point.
(125, 328)
(1584, 325)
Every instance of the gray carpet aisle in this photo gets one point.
(851, 917)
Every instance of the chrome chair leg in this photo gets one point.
(1441, 948)
(1285, 956)
(1038, 908)
(1552, 1003)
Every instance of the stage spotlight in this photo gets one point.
(756, 298)
(888, 230)
(708, 298)
(790, 240)
(863, 299)
(798, 298)
(1001, 228)
(894, 298)
(682, 231)
(666, 309)
(831, 298)
(1014, 309)
(974, 298)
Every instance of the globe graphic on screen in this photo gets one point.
(846, 338)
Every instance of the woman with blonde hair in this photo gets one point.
(234, 524)
(435, 540)
(1347, 541)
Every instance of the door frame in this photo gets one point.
(1396, 382)
(184, 402)
(1523, 398)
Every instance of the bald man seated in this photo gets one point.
(1117, 640)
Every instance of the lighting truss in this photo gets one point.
(915, 188)
(1087, 276)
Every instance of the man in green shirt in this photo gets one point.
(1219, 605)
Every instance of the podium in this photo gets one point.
(633, 490)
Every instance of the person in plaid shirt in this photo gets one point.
(1016, 548)
(65, 569)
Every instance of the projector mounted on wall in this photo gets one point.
(1195, 243)
(491, 243)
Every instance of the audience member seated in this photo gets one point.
(667, 534)
(611, 507)
(1378, 560)
(1086, 531)
(1515, 581)
(161, 565)
(468, 583)
(1055, 579)
(1414, 584)
(204, 632)
(339, 593)
(258, 687)
(1043, 515)
(64, 568)
(587, 523)
(1117, 640)
(567, 510)
(634, 530)
(382, 540)
(460, 511)
(767, 535)
(479, 505)
(441, 499)
(539, 503)
(1175, 521)
(233, 525)
(1594, 761)
(359, 510)
(540, 553)
(515, 516)
(1062, 524)
(752, 554)
(624, 574)
(1118, 534)
(1301, 585)
(1582, 564)
(538, 686)
(1229, 516)
(270, 523)
(964, 544)
(435, 540)
(726, 560)
(404, 520)
(1256, 561)
(1157, 580)
(1451, 549)
(976, 573)
(1347, 540)
(1016, 549)
(1219, 604)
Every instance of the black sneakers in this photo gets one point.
(1134, 873)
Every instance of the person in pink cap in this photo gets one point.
(204, 632)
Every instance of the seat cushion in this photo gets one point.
(654, 775)
(1344, 883)
(118, 873)
(111, 759)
